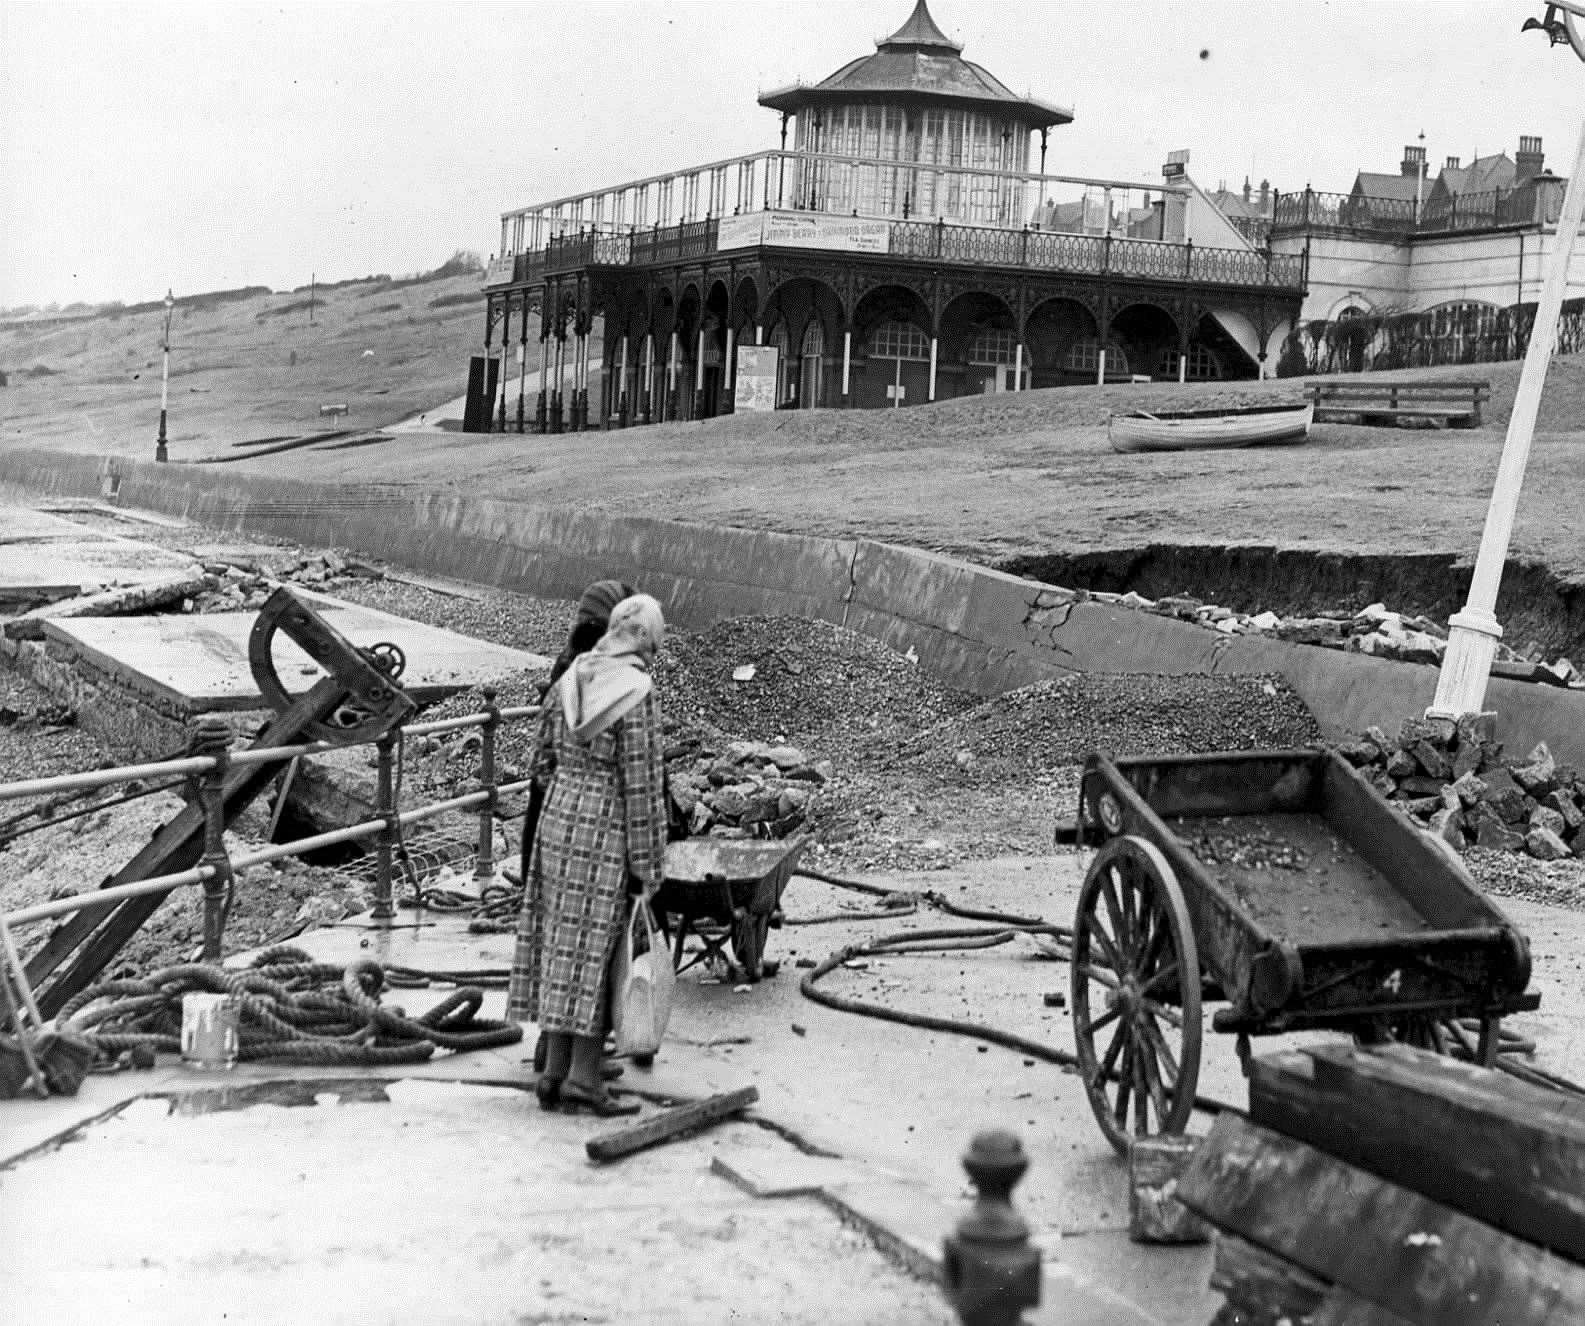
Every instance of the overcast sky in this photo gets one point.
(200, 146)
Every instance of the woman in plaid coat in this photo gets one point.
(601, 836)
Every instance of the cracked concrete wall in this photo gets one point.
(973, 627)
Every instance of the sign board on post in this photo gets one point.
(756, 378)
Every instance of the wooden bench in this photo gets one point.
(1451, 403)
(334, 410)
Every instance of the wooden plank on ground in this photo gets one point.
(1343, 1307)
(669, 1124)
(1262, 1286)
(1498, 1149)
(1413, 1256)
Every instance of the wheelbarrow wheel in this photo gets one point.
(749, 933)
(1136, 994)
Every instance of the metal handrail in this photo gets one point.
(386, 827)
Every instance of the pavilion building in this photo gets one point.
(902, 244)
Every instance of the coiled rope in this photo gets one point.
(290, 1008)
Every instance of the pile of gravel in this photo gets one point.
(1039, 728)
(787, 679)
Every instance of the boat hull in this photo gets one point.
(1211, 429)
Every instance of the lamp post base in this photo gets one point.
(159, 442)
(1471, 647)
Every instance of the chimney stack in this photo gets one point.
(1413, 160)
(1528, 160)
(1452, 164)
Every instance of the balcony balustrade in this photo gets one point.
(905, 209)
(1525, 204)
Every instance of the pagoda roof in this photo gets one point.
(916, 64)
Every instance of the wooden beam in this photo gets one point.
(1413, 1256)
(1343, 1307)
(669, 1124)
(1262, 1286)
(1498, 1149)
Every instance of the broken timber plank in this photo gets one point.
(1500, 1150)
(1262, 1286)
(123, 599)
(1424, 1261)
(1343, 1307)
(669, 1124)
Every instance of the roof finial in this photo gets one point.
(921, 32)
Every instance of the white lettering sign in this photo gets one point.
(756, 378)
(804, 230)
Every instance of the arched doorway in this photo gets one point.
(811, 367)
(899, 351)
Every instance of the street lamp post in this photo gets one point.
(165, 378)
(1474, 631)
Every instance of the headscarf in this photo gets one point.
(589, 623)
(613, 677)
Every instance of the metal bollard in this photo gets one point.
(212, 738)
(385, 793)
(989, 1269)
(484, 862)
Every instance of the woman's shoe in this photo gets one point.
(574, 1097)
(548, 1089)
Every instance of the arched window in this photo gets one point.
(1203, 365)
(899, 340)
(1084, 356)
(992, 346)
(811, 376)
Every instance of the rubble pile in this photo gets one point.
(1374, 630)
(1452, 779)
(1050, 724)
(748, 789)
(233, 587)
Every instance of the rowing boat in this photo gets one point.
(1188, 430)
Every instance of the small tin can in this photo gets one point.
(209, 1031)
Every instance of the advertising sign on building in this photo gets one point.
(804, 230)
(809, 231)
(756, 378)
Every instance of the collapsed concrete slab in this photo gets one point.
(199, 664)
(44, 558)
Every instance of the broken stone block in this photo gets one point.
(1468, 759)
(1431, 759)
(1492, 832)
(1400, 764)
(1537, 775)
(1265, 621)
(1476, 729)
(1564, 804)
(786, 757)
(1468, 788)
(1437, 731)
(1544, 817)
(1448, 825)
(1360, 752)
(1505, 796)
(1421, 785)
(1545, 845)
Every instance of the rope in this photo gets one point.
(289, 1008)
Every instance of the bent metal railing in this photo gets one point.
(216, 869)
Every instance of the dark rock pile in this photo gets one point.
(1453, 779)
(232, 587)
(747, 789)
(1374, 630)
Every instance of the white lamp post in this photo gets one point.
(165, 378)
(1474, 631)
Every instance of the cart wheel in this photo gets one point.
(749, 933)
(1136, 987)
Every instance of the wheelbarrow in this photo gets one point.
(725, 891)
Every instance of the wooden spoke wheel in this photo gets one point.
(1136, 993)
(749, 933)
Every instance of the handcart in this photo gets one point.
(725, 891)
(1282, 883)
